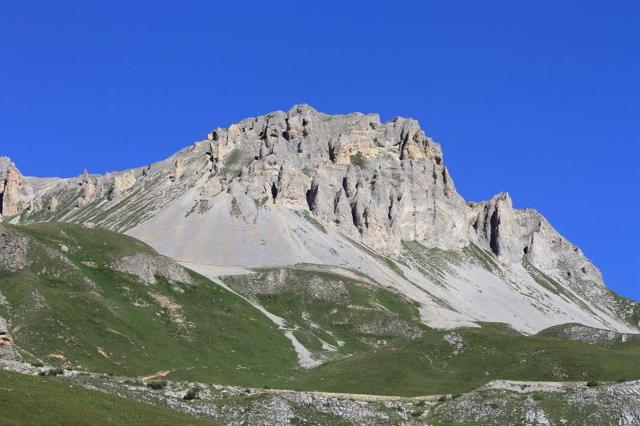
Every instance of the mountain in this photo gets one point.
(301, 268)
(342, 191)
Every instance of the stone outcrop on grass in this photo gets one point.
(148, 267)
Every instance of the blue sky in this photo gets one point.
(540, 99)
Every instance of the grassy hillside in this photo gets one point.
(461, 360)
(48, 401)
(69, 306)
(333, 315)
(380, 346)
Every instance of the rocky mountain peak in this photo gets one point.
(302, 186)
(379, 182)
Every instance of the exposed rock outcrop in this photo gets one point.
(10, 187)
(13, 250)
(581, 333)
(88, 185)
(121, 183)
(147, 267)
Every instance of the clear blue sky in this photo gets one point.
(540, 99)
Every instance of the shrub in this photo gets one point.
(443, 398)
(592, 383)
(157, 385)
(235, 208)
(358, 160)
(192, 394)
(37, 364)
(416, 413)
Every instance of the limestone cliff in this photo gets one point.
(349, 190)
(10, 187)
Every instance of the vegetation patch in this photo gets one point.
(433, 263)
(235, 208)
(193, 393)
(260, 202)
(430, 364)
(483, 258)
(157, 384)
(359, 160)
(333, 316)
(50, 401)
(312, 220)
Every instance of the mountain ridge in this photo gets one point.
(346, 190)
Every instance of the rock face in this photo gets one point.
(581, 333)
(346, 190)
(13, 250)
(505, 402)
(378, 182)
(10, 186)
(148, 267)
(88, 185)
(121, 183)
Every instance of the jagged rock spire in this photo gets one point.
(10, 187)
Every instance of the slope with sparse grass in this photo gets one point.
(69, 306)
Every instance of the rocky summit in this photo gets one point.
(341, 191)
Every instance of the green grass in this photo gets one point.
(79, 311)
(47, 401)
(312, 220)
(428, 365)
(330, 307)
(485, 258)
(543, 279)
(384, 259)
(96, 243)
(433, 263)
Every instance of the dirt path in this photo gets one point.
(158, 375)
(357, 396)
